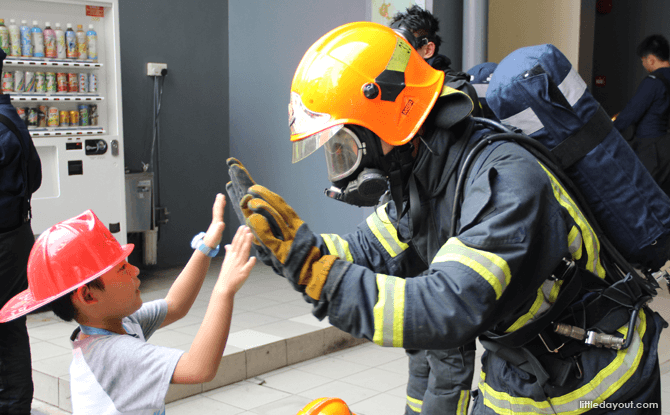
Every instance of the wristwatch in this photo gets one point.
(197, 243)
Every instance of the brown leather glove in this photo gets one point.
(289, 240)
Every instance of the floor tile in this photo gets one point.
(246, 395)
(286, 406)
(169, 338)
(382, 404)
(284, 311)
(251, 319)
(377, 379)
(247, 339)
(347, 392)
(200, 405)
(293, 381)
(46, 350)
(52, 330)
(332, 368)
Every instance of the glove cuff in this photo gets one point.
(319, 271)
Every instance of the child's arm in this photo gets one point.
(186, 287)
(202, 360)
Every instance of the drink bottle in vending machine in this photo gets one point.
(4, 37)
(26, 41)
(70, 42)
(60, 42)
(92, 40)
(82, 45)
(14, 38)
(49, 41)
(38, 40)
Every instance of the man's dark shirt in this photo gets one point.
(12, 182)
(648, 109)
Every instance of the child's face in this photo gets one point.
(121, 296)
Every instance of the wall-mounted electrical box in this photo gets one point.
(155, 69)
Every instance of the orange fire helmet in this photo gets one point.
(364, 74)
(326, 406)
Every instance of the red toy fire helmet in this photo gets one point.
(66, 256)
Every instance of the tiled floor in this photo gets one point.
(278, 358)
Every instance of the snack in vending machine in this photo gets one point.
(29, 81)
(42, 116)
(61, 81)
(8, 82)
(70, 42)
(40, 82)
(14, 38)
(83, 82)
(4, 37)
(74, 118)
(82, 45)
(23, 114)
(19, 86)
(72, 82)
(93, 115)
(61, 48)
(65, 118)
(49, 41)
(26, 42)
(83, 115)
(52, 117)
(32, 117)
(52, 85)
(92, 83)
(38, 40)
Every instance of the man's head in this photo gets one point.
(67, 257)
(654, 52)
(424, 26)
(363, 93)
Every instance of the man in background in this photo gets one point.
(20, 177)
(644, 120)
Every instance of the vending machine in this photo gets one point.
(71, 102)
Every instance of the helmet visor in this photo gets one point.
(301, 120)
(344, 153)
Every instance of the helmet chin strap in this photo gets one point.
(398, 163)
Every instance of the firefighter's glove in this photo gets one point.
(240, 182)
(287, 237)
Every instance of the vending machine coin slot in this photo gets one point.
(73, 146)
(75, 167)
(95, 147)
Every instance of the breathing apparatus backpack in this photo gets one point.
(536, 90)
(545, 106)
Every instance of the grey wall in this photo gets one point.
(267, 41)
(450, 15)
(192, 38)
(617, 35)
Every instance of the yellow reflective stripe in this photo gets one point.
(489, 266)
(591, 242)
(575, 243)
(400, 57)
(389, 312)
(414, 404)
(337, 246)
(386, 234)
(599, 389)
(463, 401)
(534, 309)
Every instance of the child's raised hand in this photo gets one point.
(213, 236)
(237, 264)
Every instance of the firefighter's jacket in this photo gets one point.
(516, 225)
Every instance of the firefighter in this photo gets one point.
(494, 267)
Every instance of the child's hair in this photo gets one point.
(63, 307)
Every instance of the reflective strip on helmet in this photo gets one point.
(391, 81)
(463, 401)
(481, 89)
(385, 232)
(591, 242)
(572, 87)
(526, 120)
(540, 305)
(337, 246)
(604, 384)
(488, 265)
(400, 57)
(414, 404)
(389, 312)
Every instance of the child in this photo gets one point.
(78, 268)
